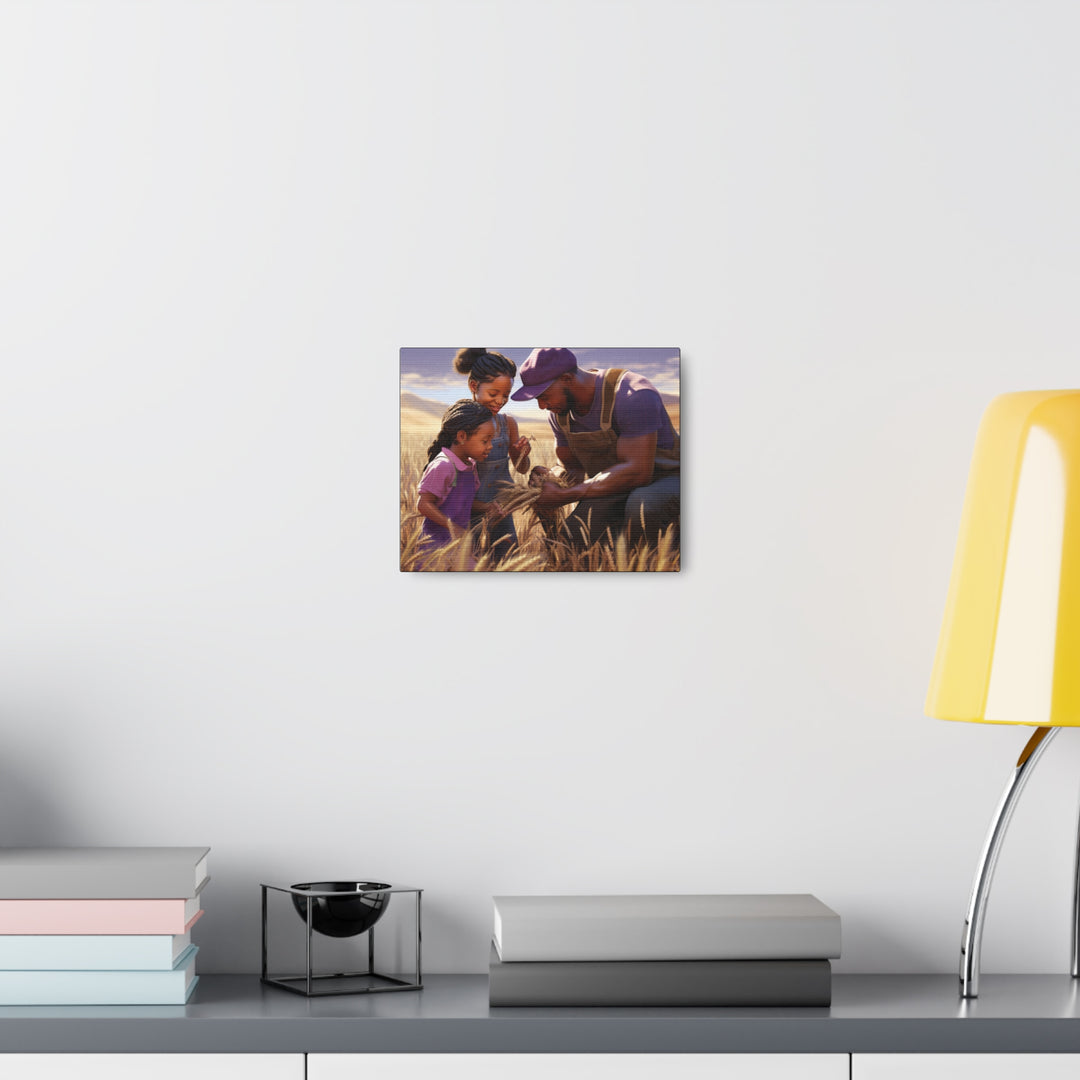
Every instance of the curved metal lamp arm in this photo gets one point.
(1076, 912)
(971, 944)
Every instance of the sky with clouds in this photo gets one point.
(429, 373)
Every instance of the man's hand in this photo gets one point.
(551, 496)
(539, 474)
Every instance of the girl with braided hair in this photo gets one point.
(491, 378)
(450, 482)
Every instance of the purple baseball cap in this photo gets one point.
(540, 369)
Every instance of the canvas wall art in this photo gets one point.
(540, 459)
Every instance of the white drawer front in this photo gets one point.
(578, 1066)
(152, 1066)
(965, 1066)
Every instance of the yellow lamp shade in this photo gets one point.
(1009, 650)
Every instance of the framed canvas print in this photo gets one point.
(549, 459)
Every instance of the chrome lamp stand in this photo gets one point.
(971, 943)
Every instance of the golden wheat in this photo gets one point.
(538, 549)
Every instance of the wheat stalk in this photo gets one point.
(536, 551)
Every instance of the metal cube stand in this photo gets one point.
(343, 982)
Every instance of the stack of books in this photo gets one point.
(99, 926)
(726, 950)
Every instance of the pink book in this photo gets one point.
(99, 916)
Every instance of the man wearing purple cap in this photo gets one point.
(616, 442)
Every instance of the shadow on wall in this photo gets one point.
(28, 817)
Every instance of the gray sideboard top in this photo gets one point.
(869, 1014)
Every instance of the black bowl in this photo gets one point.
(342, 916)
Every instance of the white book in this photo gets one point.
(102, 873)
(91, 952)
(751, 926)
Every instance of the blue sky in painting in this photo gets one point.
(429, 373)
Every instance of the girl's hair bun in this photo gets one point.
(466, 358)
(483, 364)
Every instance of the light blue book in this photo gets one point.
(171, 987)
(92, 952)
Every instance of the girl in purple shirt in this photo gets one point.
(450, 482)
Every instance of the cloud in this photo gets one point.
(418, 380)
(666, 377)
(428, 372)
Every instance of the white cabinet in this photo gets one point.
(578, 1066)
(965, 1066)
(152, 1066)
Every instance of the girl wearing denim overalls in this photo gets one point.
(491, 378)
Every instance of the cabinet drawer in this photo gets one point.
(153, 1066)
(578, 1066)
(965, 1066)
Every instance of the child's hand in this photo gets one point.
(519, 451)
(491, 511)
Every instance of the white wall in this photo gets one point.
(219, 222)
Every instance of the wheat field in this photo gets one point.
(535, 552)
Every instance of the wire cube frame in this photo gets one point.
(311, 985)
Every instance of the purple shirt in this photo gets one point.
(639, 410)
(453, 483)
(438, 477)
